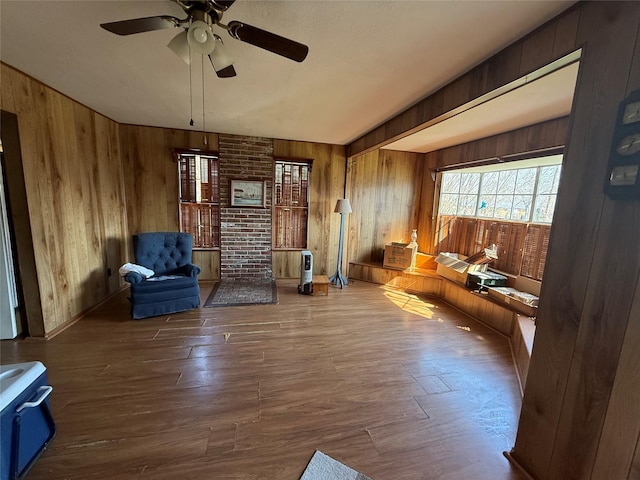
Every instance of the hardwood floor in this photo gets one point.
(392, 385)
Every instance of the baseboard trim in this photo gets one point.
(517, 465)
(76, 318)
(515, 365)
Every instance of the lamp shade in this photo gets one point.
(201, 38)
(343, 206)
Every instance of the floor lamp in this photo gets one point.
(342, 207)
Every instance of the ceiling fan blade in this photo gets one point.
(139, 25)
(269, 41)
(220, 60)
(223, 5)
(226, 72)
(205, 5)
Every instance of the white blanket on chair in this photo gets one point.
(132, 267)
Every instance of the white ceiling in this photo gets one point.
(368, 60)
(545, 98)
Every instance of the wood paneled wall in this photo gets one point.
(581, 411)
(91, 183)
(152, 192)
(544, 135)
(151, 173)
(76, 200)
(327, 186)
(151, 183)
(384, 187)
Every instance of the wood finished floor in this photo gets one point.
(394, 386)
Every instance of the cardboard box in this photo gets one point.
(522, 302)
(455, 268)
(528, 285)
(397, 255)
(426, 262)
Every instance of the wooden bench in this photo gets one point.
(320, 284)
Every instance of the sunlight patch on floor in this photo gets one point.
(409, 302)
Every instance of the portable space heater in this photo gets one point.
(306, 273)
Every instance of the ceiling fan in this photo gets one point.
(197, 34)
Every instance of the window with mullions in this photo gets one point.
(459, 193)
(291, 203)
(521, 195)
(512, 208)
(199, 198)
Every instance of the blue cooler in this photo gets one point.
(26, 422)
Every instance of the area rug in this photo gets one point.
(323, 467)
(236, 292)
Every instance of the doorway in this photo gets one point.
(9, 327)
(17, 229)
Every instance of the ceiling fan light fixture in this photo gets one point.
(200, 38)
(220, 58)
(180, 46)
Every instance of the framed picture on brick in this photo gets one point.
(249, 193)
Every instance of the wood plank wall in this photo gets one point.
(581, 411)
(92, 182)
(544, 135)
(384, 188)
(327, 186)
(152, 192)
(76, 200)
(151, 182)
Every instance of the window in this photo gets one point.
(510, 207)
(291, 203)
(523, 194)
(200, 198)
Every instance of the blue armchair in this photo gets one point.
(174, 284)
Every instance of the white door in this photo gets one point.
(8, 294)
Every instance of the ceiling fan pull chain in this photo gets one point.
(190, 87)
(204, 132)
